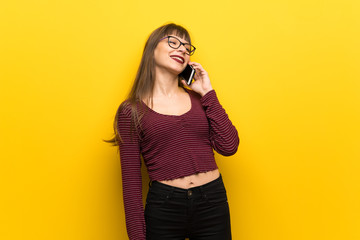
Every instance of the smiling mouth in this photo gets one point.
(178, 58)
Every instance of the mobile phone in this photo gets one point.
(188, 74)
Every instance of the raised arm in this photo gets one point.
(223, 134)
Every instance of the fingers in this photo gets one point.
(200, 75)
(196, 65)
(185, 84)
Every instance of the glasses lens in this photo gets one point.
(189, 49)
(174, 42)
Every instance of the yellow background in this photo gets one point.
(287, 73)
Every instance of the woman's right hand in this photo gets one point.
(202, 84)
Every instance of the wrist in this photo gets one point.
(204, 92)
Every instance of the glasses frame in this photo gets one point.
(181, 43)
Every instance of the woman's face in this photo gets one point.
(170, 59)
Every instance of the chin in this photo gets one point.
(177, 70)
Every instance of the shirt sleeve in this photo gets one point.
(223, 134)
(131, 177)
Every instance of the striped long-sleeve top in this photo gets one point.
(172, 146)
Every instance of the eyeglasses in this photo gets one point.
(175, 43)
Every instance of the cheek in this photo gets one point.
(160, 55)
(187, 59)
(157, 56)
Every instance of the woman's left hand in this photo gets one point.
(202, 84)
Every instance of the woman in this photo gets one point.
(175, 130)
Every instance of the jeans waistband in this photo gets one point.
(181, 192)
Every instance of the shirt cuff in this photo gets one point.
(208, 97)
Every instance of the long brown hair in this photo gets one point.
(145, 77)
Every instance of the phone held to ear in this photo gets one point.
(188, 74)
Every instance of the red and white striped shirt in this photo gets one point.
(172, 147)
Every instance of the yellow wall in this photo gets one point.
(287, 72)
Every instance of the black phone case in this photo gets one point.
(188, 74)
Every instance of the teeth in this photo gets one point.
(178, 58)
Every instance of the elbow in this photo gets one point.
(233, 146)
(230, 148)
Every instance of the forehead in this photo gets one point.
(180, 38)
(178, 34)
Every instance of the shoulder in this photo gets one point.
(193, 94)
(129, 109)
(124, 109)
(208, 97)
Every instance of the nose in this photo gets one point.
(182, 48)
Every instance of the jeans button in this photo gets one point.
(189, 193)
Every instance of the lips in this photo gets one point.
(178, 58)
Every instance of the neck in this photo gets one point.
(166, 84)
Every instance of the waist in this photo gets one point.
(160, 184)
(193, 180)
(216, 185)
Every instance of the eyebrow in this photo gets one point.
(186, 42)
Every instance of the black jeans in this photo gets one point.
(199, 213)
